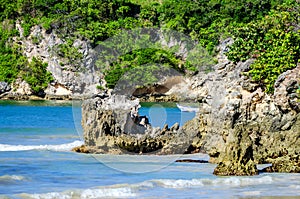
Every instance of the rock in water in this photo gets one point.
(270, 123)
(110, 127)
(238, 124)
(81, 149)
(238, 158)
(108, 117)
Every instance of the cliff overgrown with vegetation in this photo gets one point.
(266, 30)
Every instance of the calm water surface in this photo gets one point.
(36, 162)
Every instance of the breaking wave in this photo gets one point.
(60, 147)
(133, 190)
(228, 181)
(105, 192)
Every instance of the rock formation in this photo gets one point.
(109, 128)
(238, 124)
(74, 77)
(241, 125)
(4, 87)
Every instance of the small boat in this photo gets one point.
(187, 108)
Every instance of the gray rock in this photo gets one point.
(175, 127)
(270, 122)
(238, 124)
(110, 128)
(4, 87)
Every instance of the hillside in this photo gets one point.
(267, 31)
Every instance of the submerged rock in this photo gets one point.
(192, 161)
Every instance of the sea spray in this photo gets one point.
(60, 147)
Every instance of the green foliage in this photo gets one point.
(11, 60)
(70, 53)
(13, 64)
(262, 29)
(134, 62)
(274, 44)
(99, 87)
(37, 76)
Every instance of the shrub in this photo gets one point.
(272, 42)
(37, 76)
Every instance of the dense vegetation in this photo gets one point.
(37, 76)
(137, 59)
(267, 30)
(274, 41)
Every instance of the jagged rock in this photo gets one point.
(72, 79)
(238, 158)
(20, 88)
(109, 127)
(238, 124)
(165, 129)
(81, 149)
(270, 121)
(175, 127)
(4, 87)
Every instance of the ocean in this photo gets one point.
(36, 161)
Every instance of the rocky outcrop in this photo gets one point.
(76, 67)
(238, 124)
(73, 76)
(241, 125)
(238, 156)
(18, 90)
(110, 128)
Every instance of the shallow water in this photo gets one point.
(36, 162)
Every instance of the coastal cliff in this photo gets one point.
(247, 85)
(238, 124)
(73, 75)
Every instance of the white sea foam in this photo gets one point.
(11, 178)
(122, 192)
(179, 183)
(60, 147)
(102, 192)
(226, 181)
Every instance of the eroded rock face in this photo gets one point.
(238, 156)
(238, 124)
(109, 128)
(74, 77)
(230, 102)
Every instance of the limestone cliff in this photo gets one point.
(241, 125)
(238, 124)
(74, 77)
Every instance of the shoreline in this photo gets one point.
(142, 99)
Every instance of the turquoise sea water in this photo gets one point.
(36, 162)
